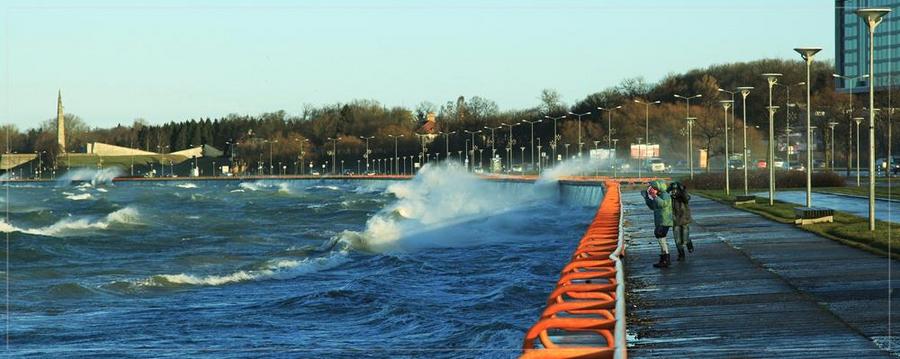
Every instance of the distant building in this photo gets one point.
(60, 123)
(429, 128)
(852, 45)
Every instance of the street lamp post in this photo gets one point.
(609, 131)
(333, 153)
(615, 174)
(787, 120)
(727, 104)
(772, 79)
(447, 143)
(690, 142)
(858, 120)
(808, 53)
(472, 162)
(850, 115)
(555, 135)
(745, 91)
(396, 159)
(532, 140)
(732, 93)
(302, 154)
(579, 115)
(831, 126)
(366, 155)
(872, 17)
(647, 116)
(493, 142)
(509, 144)
(646, 126)
(690, 128)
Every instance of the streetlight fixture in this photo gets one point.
(493, 144)
(732, 93)
(831, 126)
(745, 91)
(787, 119)
(647, 116)
(690, 128)
(579, 115)
(690, 142)
(727, 104)
(532, 140)
(396, 159)
(858, 120)
(473, 148)
(333, 153)
(808, 53)
(772, 79)
(609, 112)
(850, 116)
(446, 143)
(509, 144)
(555, 140)
(302, 153)
(872, 17)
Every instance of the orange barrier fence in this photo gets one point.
(585, 313)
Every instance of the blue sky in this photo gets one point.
(173, 60)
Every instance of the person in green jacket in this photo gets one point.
(660, 202)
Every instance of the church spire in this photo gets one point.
(60, 123)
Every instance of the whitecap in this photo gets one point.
(186, 185)
(272, 269)
(79, 197)
(69, 226)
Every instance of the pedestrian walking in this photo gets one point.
(681, 218)
(660, 202)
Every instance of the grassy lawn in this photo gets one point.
(880, 192)
(846, 228)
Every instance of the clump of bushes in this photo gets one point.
(760, 179)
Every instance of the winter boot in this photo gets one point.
(690, 246)
(663, 261)
(680, 254)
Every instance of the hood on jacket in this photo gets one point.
(659, 185)
(676, 186)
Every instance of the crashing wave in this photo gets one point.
(439, 196)
(68, 226)
(272, 269)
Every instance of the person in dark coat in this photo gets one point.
(681, 218)
(658, 200)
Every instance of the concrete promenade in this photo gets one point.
(754, 288)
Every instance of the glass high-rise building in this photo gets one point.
(852, 45)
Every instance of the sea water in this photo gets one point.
(442, 265)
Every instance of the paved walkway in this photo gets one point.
(884, 210)
(754, 288)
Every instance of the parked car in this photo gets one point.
(315, 173)
(736, 164)
(778, 163)
(882, 165)
(658, 165)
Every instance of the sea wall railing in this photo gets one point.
(585, 313)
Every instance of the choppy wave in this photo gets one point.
(92, 176)
(273, 269)
(186, 185)
(439, 196)
(78, 197)
(69, 226)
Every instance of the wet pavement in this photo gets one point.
(754, 288)
(885, 210)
